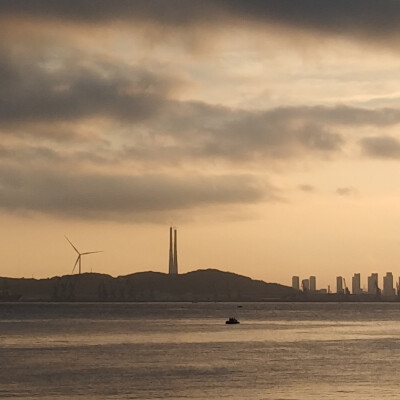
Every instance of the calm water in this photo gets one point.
(185, 351)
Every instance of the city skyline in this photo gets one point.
(386, 287)
(267, 131)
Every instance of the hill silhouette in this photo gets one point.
(200, 285)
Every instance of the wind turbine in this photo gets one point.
(78, 260)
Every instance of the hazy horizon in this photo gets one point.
(331, 283)
(266, 131)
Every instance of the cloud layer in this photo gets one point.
(100, 134)
(123, 197)
(366, 19)
(381, 147)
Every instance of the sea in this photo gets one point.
(143, 351)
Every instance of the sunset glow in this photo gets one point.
(266, 131)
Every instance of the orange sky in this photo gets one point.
(267, 132)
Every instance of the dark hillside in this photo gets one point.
(200, 285)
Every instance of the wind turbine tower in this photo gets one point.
(79, 259)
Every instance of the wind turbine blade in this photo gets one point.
(72, 245)
(76, 262)
(91, 252)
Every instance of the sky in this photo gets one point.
(266, 131)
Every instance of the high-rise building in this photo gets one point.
(173, 252)
(373, 283)
(398, 287)
(388, 285)
(339, 284)
(356, 284)
(305, 284)
(313, 283)
(296, 282)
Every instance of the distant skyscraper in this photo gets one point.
(388, 285)
(313, 283)
(398, 287)
(295, 282)
(305, 284)
(173, 253)
(356, 284)
(339, 284)
(373, 283)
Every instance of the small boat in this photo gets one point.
(231, 321)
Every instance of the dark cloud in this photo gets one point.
(123, 197)
(344, 115)
(37, 95)
(306, 188)
(71, 120)
(367, 19)
(26, 153)
(233, 136)
(34, 91)
(372, 19)
(204, 131)
(346, 191)
(381, 147)
(170, 13)
(139, 99)
(63, 158)
(134, 117)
